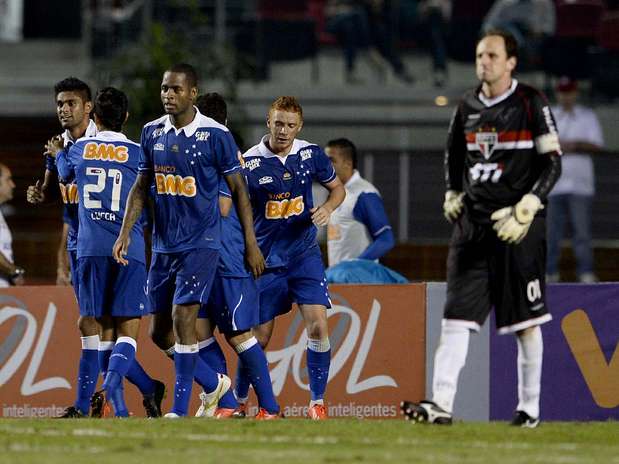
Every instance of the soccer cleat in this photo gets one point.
(71, 413)
(224, 413)
(426, 411)
(152, 403)
(99, 406)
(522, 419)
(241, 411)
(171, 415)
(263, 414)
(317, 412)
(209, 400)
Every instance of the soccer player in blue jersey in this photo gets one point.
(280, 171)
(233, 304)
(103, 168)
(185, 154)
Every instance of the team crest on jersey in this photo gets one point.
(252, 164)
(486, 141)
(287, 175)
(158, 132)
(265, 180)
(305, 154)
(174, 148)
(202, 136)
(159, 147)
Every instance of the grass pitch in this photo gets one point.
(202, 441)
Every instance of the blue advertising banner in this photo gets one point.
(580, 376)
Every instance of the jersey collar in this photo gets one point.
(111, 136)
(265, 152)
(493, 101)
(91, 131)
(189, 129)
(354, 178)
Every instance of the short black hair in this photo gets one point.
(511, 44)
(73, 84)
(214, 106)
(347, 148)
(188, 70)
(111, 108)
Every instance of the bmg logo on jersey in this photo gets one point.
(105, 152)
(69, 194)
(284, 209)
(170, 184)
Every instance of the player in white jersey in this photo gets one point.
(10, 274)
(359, 228)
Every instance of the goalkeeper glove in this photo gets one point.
(512, 223)
(452, 207)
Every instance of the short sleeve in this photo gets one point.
(146, 160)
(323, 169)
(224, 190)
(595, 133)
(226, 152)
(66, 169)
(370, 210)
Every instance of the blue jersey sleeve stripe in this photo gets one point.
(329, 179)
(381, 230)
(225, 194)
(235, 168)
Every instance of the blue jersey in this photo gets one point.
(281, 195)
(186, 166)
(68, 191)
(104, 168)
(232, 253)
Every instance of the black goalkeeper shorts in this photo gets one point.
(485, 272)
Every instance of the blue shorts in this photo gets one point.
(73, 268)
(108, 288)
(233, 304)
(181, 278)
(303, 282)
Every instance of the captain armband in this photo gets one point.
(548, 143)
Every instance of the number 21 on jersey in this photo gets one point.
(99, 186)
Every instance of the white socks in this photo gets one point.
(530, 353)
(448, 362)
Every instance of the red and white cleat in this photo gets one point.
(263, 414)
(317, 412)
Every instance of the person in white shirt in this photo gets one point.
(359, 227)
(10, 274)
(581, 136)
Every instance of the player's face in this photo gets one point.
(177, 95)
(341, 164)
(6, 185)
(283, 128)
(491, 60)
(567, 99)
(72, 110)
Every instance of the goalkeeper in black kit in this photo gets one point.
(502, 160)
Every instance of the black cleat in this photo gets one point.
(99, 408)
(522, 419)
(152, 403)
(71, 413)
(425, 412)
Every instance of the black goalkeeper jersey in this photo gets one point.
(500, 150)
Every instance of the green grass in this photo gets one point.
(301, 441)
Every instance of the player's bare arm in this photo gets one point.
(10, 271)
(39, 192)
(135, 204)
(63, 272)
(321, 214)
(253, 255)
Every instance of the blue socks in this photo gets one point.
(88, 373)
(318, 362)
(123, 356)
(185, 360)
(138, 377)
(254, 362)
(241, 383)
(211, 354)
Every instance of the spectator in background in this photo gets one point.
(359, 228)
(10, 274)
(581, 136)
(529, 21)
(433, 17)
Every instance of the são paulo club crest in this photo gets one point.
(486, 141)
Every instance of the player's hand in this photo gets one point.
(119, 250)
(320, 215)
(53, 146)
(512, 223)
(63, 277)
(453, 204)
(255, 260)
(35, 194)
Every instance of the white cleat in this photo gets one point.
(209, 400)
(171, 415)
